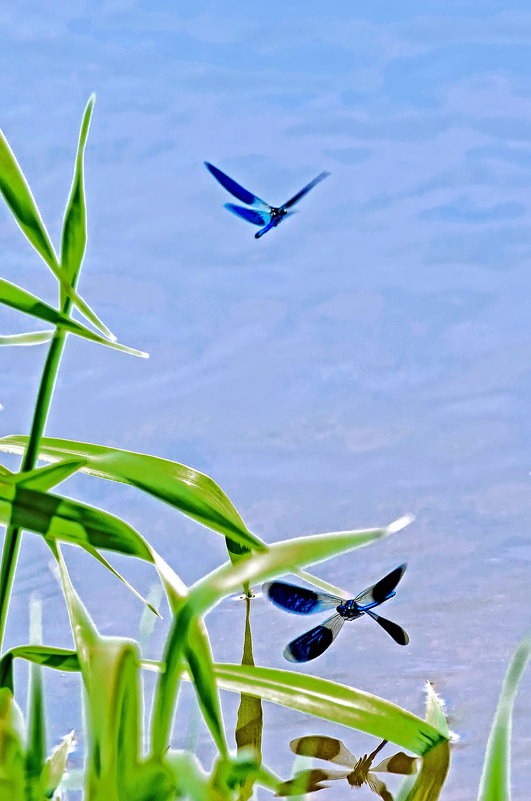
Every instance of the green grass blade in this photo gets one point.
(495, 782)
(188, 490)
(11, 749)
(31, 338)
(59, 518)
(57, 658)
(17, 298)
(36, 746)
(54, 769)
(74, 237)
(18, 197)
(44, 478)
(332, 701)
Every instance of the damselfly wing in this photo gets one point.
(260, 213)
(303, 601)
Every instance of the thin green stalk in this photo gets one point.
(40, 414)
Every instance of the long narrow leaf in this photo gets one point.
(36, 747)
(332, 701)
(59, 518)
(190, 491)
(18, 197)
(495, 782)
(11, 748)
(31, 338)
(74, 238)
(17, 298)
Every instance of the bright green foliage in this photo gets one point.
(59, 518)
(74, 239)
(332, 701)
(17, 298)
(18, 197)
(12, 758)
(188, 490)
(495, 780)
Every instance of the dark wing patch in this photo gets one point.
(383, 589)
(314, 642)
(300, 600)
(304, 190)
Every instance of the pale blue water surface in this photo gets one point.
(368, 358)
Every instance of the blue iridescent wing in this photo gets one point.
(235, 189)
(300, 600)
(304, 190)
(252, 216)
(314, 642)
(395, 631)
(381, 591)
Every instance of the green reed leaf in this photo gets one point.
(17, 298)
(59, 518)
(495, 782)
(55, 767)
(36, 745)
(31, 338)
(332, 701)
(74, 237)
(11, 748)
(18, 197)
(188, 490)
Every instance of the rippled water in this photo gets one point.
(368, 358)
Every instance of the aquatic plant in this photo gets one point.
(117, 767)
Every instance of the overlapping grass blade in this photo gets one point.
(18, 197)
(57, 658)
(188, 490)
(59, 518)
(17, 298)
(332, 701)
(495, 782)
(74, 237)
(31, 338)
(44, 478)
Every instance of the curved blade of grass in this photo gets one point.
(74, 236)
(44, 478)
(59, 518)
(17, 298)
(332, 701)
(281, 557)
(495, 784)
(57, 658)
(18, 197)
(31, 338)
(192, 492)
